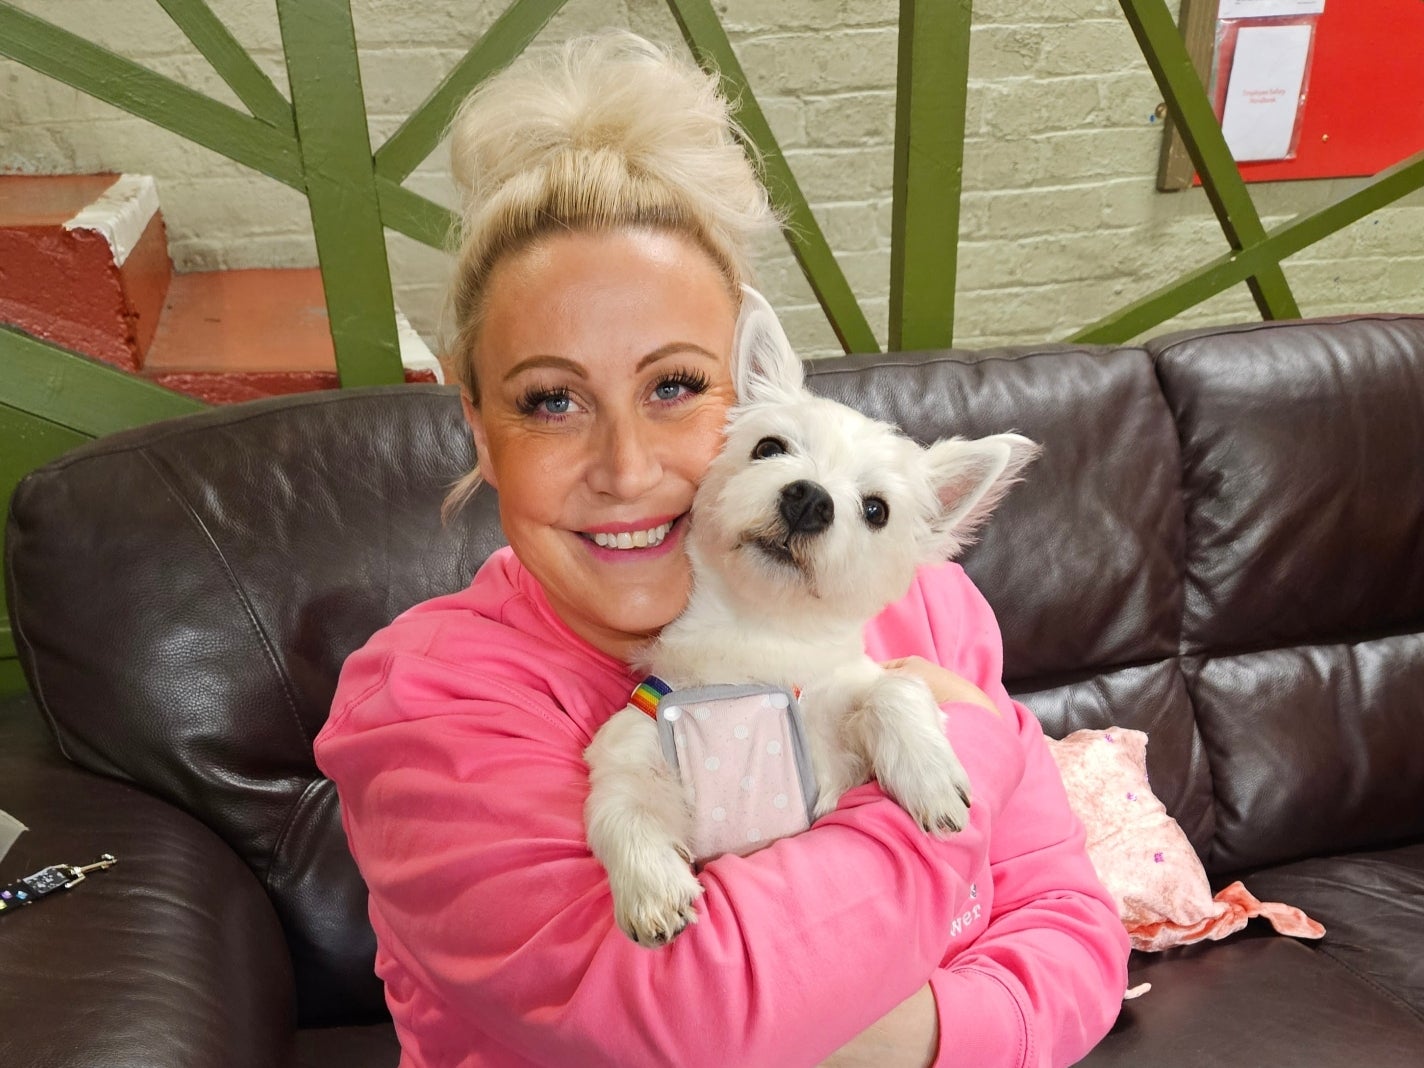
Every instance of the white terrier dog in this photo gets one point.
(810, 521)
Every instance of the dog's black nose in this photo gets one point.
(806, 507)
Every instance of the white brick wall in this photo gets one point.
(1061, 222)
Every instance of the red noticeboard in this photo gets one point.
(1364, 102)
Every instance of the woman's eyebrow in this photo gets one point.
(673, 347)
(563, 363)
(559, 363)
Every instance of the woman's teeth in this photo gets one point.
(634, 539)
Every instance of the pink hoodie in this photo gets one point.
(456, 741)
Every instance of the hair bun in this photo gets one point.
(614, 96)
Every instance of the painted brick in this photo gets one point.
(1060, 163)
(843, 174)
(1045, 211)
(1056, 105)
(808, 63)
(851, 119)
(760, 16)
(1105, 44)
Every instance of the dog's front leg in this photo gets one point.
(900, 729)
(638, 825)
(838, 764)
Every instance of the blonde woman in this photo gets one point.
(607, 215)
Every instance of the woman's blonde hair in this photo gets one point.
(607, 132)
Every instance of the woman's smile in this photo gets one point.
(623, 536)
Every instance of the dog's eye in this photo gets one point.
(766, 448)
(876, 511)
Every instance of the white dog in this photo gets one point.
(810, 521)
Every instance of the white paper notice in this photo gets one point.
(1267, 9)
(1263, 94)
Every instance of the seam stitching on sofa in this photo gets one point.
(21, 640)
(1371, 982)
(1252, 328)
(943, 358)
(287, 824)
(320, 399)
(237, 590)
(1197, 732)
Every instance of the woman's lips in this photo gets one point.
(634, 540)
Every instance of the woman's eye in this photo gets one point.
(876, 512)
(547, 403)
(667, 391)
(680, 384)
(767, 448)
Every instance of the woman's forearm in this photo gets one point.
(907, 1035)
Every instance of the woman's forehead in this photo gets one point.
(620, 295)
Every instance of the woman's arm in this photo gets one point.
(907, 1035)
(463, 806)
(1044, 981)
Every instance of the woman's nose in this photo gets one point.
(627, 461)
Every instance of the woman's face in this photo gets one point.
(604, 371)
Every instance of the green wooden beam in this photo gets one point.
(932, 84)
(708, 40)
(325, 78)
(80, 394)
(244, 77)
(12, 676)
(162, 101)
(417, 137)
(415, 216)
(1171, 64)
(1234, 267)
(30, 441)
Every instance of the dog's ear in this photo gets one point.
(970, 478)
(767, 368)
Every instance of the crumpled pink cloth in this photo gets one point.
(1144, 857)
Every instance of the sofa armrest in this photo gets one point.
(173, 956)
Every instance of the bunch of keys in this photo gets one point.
(46, 881)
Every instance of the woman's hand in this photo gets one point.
(906, 1035)
(944, 684)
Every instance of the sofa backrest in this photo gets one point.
(1222, 545)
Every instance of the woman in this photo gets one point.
(608, 212)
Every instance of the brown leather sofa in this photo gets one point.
(1223, 545)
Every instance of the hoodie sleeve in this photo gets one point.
(463, 801)
(1044, 981)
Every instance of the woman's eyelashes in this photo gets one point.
(674, 387)
(555, 403)
(546, 403)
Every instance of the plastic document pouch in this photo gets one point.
(740, 753)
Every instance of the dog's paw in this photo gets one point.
(936, 794)
(653, 903)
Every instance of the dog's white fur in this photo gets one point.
(788, 609)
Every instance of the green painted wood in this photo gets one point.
(30, 441)
(932, 84)
(1171, 64)
(415, 216)
(708, 40)
(1234, 267)
(506, 38)
(162, 101)
(83, 395)
(325, 79)
(220, 48)
(12, 677)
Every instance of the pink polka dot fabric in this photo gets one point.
(1142, 855)
(736, 758)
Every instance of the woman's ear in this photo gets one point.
(475, 421)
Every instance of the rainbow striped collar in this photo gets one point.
(648, 694)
